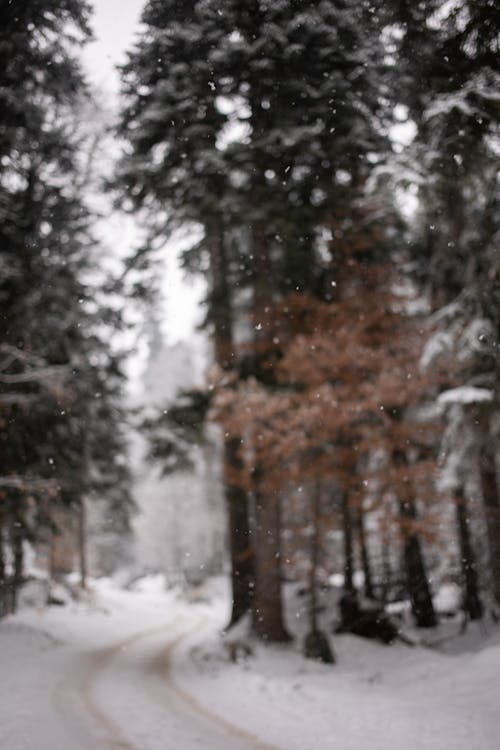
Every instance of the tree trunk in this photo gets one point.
(17, 536)
(386, 584)
(82, 542)
(240, 545)
(316, 644)
(3, 583)
(241, 548)
(267, 609)
(315, 543)
(365, 560)
(2, 547)
(416, 576)
(490, 492)
(348, 545)
(471, 601)
(267, 606)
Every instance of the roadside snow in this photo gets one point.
(375, 695)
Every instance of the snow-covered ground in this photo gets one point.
(145, 669)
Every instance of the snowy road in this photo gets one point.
(124, 697)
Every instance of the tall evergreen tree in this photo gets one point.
(454, 103)
(60, 385)
(177, 173)
(257, 121)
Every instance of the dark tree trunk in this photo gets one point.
(471, 601)
(241, 551)
(3, 583)
(490, 492)
(416, 576)
(82, 542)
(267, 606)
(348, 545)
(16, 536)
(316, 644)
(241, 548)
(313, 571)
(386, 583)
(365, 560)
(2, 547)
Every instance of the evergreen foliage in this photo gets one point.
(60, 383)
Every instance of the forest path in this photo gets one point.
(124, 697)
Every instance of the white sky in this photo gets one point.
(115, 23)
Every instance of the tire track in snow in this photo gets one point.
(151, 673)
(163, 666)
(102, 659)
(77, 692)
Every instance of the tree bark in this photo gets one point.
(16, 534)
(267, 606)
(348, 545)
(82, 542)
(2, 547)
(313, 573)
(365, 560)
(267, 609)
(386, 583)
(471, 601)
(490, 492)
(3, 583)
(240, 543)
(416, 576)
(236, 498)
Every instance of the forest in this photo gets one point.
(335, 164)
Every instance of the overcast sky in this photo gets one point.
(115, 23)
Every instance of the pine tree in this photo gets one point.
(454, 104)
(179, 175)
(309, 134)
(260, 122)
(60, 386)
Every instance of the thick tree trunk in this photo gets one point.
(348, 545)
(267, 606)
(240, 543)
(240, 546)
(491, 500)
(471, 601)
(316, 644)
(365, 560)
(416, 576)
